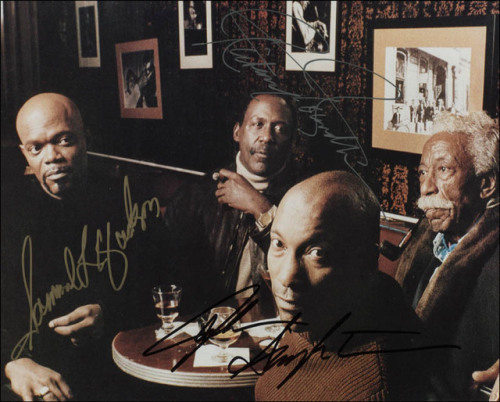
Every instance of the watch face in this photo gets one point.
(265, 219)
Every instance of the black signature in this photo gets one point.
(77, 271)
(273, 354)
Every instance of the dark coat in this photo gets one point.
(206, 240)
(58, 229)
(460, 303)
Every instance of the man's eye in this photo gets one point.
(65, 140)
(276, 243)
(422, 172)
(443, 169)
(257, 124)
(317, 253)
(34, 149)
(280, 129)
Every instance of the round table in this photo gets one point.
(128, 347)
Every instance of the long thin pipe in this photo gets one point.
(151, 164)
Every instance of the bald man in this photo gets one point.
(57, 274)
(323, 267)
(50, 128)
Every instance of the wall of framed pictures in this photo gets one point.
(198, 103)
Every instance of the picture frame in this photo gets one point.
(139, 84)
(311, 36)
(422, 71)
(87, 28)
(195, 34)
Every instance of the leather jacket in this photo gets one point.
(205, 240)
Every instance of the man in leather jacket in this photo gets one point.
(218, 227)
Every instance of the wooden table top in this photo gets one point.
(128, 347)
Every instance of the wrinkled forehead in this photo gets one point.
(445, 145)
(43, 113)
(269, 104)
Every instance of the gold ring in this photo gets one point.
(43, 391)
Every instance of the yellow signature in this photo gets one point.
(77, 272)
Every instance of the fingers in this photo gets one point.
(59, 390)
(488, 375)
(27, 395)
(81, 317)
(29, 380)
(227, 174)
(67, 319)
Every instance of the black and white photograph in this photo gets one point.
(422, 73)
(429, 81)
(88, 33)
(194, 220)
(138, 77)
(195, 34)
(195, 28)
(311, 34)
(311, 22)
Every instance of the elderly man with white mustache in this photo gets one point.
(449, 272)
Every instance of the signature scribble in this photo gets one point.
(273, 354)
(77, 271)
(314, 108)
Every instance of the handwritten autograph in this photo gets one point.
(250, 57)
(273, 354)
(77, 272)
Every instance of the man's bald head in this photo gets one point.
(47, 104)
(337, 196)
(323, 239)
(50, 128)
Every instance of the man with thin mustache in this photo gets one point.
(53, 294)
(449, 271)
(219, 226)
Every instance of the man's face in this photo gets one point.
(54, 146)
(192, 13)
(306, 260)
(265, 136)
(449, 192)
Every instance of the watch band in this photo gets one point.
(266, 218)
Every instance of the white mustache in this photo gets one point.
(433, 202)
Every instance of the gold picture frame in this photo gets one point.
(431, 69)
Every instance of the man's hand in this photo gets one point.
(235, 191)
(29, 378)
(82, 323)
(487, 377)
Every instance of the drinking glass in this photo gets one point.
(219, 317)
(166, 300)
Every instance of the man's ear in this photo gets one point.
(488, 185)
(236, 130)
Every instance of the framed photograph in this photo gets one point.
(87, 28)
(311, 28)
(195, 34)
(139, 79)
(418, 74)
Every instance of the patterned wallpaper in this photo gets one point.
(392, 175)
(195, 130)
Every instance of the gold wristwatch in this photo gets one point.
(266, 218)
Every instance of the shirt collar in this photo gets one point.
(258, 182)
(441, 248)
